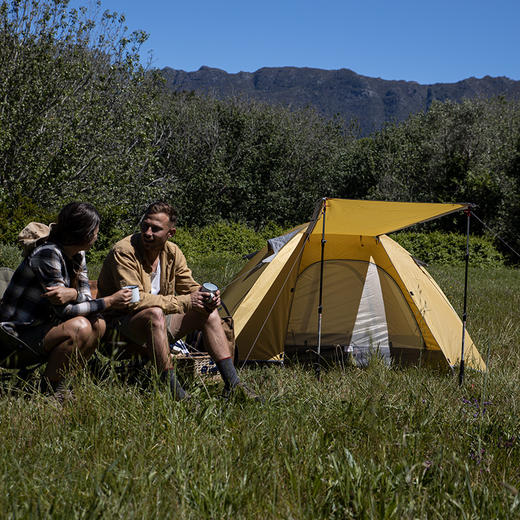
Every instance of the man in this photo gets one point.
(169, 299)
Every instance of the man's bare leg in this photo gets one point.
(214, 336)
(216, 343)
(148, 328)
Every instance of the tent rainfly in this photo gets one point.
(376, 298)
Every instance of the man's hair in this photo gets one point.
(77, 224)
(161, 207)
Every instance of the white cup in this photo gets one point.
(135, 292)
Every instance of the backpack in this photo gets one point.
(32, 236)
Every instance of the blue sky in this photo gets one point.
(425, 41)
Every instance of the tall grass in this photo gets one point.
(361, 443)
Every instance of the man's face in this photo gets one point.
(156, 230)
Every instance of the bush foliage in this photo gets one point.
(10, 256)
(83, 119)
(235, 240)
(229, 239)
(232, 241)
(450, 248)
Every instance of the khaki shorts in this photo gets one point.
(119, 327)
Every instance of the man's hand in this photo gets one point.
(119, 300)
(59, 295)
(200, 301)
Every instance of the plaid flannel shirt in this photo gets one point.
(23, 302)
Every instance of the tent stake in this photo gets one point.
(320, 302)
(464, 313)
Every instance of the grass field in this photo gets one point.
(362, 443)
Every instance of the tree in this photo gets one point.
(74, 107)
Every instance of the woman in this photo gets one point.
(48, 304)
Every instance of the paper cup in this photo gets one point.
(135, 292)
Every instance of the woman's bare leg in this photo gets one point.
(76, 339)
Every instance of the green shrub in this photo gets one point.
(216, 249)
(96, 256)
(215, 268)
(222, 238)
(10, 256)
(12, 221)
(234, 240)
(450, 248)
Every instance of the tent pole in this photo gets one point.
(320, 301)
(464, 312)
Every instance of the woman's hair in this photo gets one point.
(77, 224)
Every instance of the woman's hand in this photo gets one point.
(59, 295)
(119, 300)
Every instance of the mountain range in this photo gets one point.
(369, 102)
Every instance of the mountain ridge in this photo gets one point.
(371, 102)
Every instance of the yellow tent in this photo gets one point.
(375, 297)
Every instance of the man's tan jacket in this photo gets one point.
(126, 265)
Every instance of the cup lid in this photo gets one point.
(209, 287)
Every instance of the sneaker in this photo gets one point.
(241, 392)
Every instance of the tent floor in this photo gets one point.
(335, 354)
(330, 354)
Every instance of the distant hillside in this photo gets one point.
(369, 101)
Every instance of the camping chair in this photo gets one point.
(12, 348)
(13, 352)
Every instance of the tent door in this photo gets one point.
(370, 333)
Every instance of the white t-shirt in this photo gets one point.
(156, 279)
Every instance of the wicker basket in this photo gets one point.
(196, 365)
